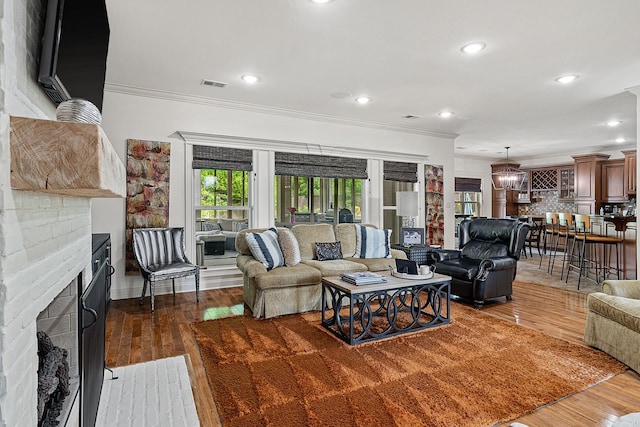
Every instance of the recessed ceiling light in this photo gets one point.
(445, 114)
(320, 1)
(567, 79)
(363, 100)
(620, 140)
(472, 48)
(250, 78)
(613, 123)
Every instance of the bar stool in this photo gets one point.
(533, 237)
(565, 232)
(584, 235)
(549, 233)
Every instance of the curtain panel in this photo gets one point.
(311, 165)
(400, 171)
(468, 185)
(208, 157)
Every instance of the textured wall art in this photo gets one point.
(434, 201)
(147, 190)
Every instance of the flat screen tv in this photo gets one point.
(75, 43)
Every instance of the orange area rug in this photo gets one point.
(477, 371)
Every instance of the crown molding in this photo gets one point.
(294, 147)
(215, 102)
(633, 89)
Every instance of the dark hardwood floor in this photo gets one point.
(135, 335)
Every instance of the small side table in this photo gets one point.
(417, 253)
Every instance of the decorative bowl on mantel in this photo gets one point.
(79, 111)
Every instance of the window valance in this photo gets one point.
(311, 165)
(400, 171)
(468, 185)
(208, 157)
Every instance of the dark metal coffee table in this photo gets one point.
(362, 313)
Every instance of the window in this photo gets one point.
(312, 199)
(223, 194)
(222, 209)
(221, 178)
(467, 203)
(398, 176)
(315, 188)
(391, 220)
(468, 194)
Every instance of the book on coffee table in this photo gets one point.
(363, 278)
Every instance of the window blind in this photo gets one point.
(208, 157)
(468, 185)
(400, 171)
(311, 165)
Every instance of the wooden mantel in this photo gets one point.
(74, 159)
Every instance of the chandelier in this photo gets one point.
(508, 178)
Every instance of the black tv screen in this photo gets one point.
(74, 50)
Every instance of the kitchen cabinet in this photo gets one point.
(588, 182)
(567, 183)
(613, 182)
(630, 172)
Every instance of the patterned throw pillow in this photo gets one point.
(329, 251)
(289, 247)
(264, 248)
(372, 243)
(236, 225)
(209, 226)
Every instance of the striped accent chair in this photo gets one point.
(160, 252)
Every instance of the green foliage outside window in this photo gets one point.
(220, 188)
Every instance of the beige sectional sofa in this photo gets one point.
(297, 288)
(613, 321)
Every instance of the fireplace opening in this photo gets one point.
(53, 380)
(58, 338)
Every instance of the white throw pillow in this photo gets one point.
(372, 243)
(264, 248)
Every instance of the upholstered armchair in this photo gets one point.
(613, 321)
(484, 266)
(161, 255)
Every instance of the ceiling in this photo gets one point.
(406, 56)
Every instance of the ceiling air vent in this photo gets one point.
(410, 116)
(213, 83)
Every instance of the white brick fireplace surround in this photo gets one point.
(45, 238)
(45, 242)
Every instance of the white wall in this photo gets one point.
(131, 116)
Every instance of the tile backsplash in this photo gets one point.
(545, 201)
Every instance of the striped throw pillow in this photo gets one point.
(372, 243)
(264, 248)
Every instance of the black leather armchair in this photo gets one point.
(161, 255)
(485, 265)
